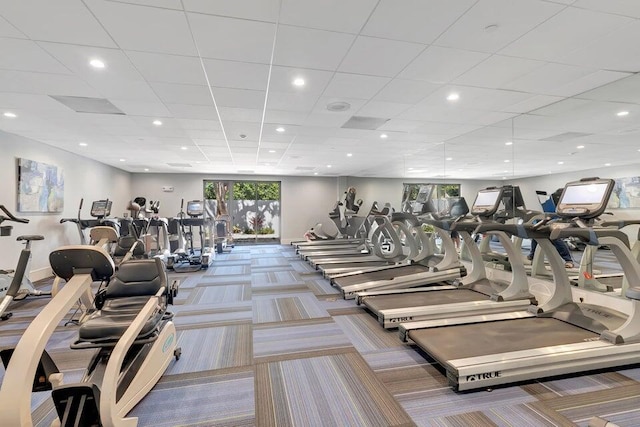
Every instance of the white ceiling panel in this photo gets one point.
(442, 65)
(25, 55)
(308, 48)
(347, 16)
(382, 109)
(172, 93)
(28, 101)
(199, 124)
(379, 57)
(355, 85)
(43, 83)
(326, 119)
(8, 30)
(290, 101)
(498, 71)
(260, 10)
(126, 89)
(156, 67)
(512, 19)
(167, 4)
(474, 98)
(562, 80)
(62, 21)
(240, 115)
(236, 75)
(198, 112)
(618, 50)
(406, 91)
(565, 32)
(623, 90)
(619, 7)
(535, 101)
(230, 38)
(321, 105)
(164, 30)
(240, 98)
(285, 117)
(420, 21)
(137, 108)
(315, 80)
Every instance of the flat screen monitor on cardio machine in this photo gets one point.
(487, 202)
(195, 208)
(101, 208)
(586, 198)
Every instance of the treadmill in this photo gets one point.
(559, 337)
(431, 269)
(475, 293)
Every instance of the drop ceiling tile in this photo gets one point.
(563, 33)
(165, 30)
(498, 71)
(400, 125)
(294, 102)
(623, 90)
(260, 10)
(355, 85)
(315, 80)
(629, 8)
(236, 75)
(234, 39)
(8, 30)
(199, 124)
(382, 109)
(156, 67)
(619, 50)
(64, 22)
(590, 81)
(532, 103)
(184, 111)
(406, 91)
(167, 4)
(442, 65)
(420, 21)
(129, 90)
(137, 108)
(172, 93)
(43, 83)
(33, 102)
(326, 119)
(25, 55)
(240, 114)
(240, 98)
(331, 15)
(379, 57)
(285, 117)
(308, 48)
(513, 19)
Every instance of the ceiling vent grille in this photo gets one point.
(561, 137)
(361, 122)
(81, 104)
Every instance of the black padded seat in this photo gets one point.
(30, 237)
(128, 291)
(124, 245)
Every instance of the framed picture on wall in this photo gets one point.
(40, 187)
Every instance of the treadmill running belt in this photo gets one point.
(381, 275)
(418, 299)
(480, 339)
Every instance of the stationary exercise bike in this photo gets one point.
(18, 286)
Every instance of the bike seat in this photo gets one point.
(30, 237)
(6, 271)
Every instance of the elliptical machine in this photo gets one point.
(185, 257)
(18, 286)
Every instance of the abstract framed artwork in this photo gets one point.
(40, 187)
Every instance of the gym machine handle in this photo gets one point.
(11, 217)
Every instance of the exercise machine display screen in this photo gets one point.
(589, 194)
(101, 208)
(486, 198)
(195, 208)
(424, 194)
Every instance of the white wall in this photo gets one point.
(305, 200)
(83, 178)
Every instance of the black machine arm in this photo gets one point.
(10, 217)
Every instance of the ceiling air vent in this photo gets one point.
(561, 137)
(179, 165)
(338, 106)
(361, 122)
(81, 104)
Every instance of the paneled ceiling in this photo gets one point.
(541, 86)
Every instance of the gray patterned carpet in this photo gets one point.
(267, 341)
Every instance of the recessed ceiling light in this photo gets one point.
(410, 169)
(183, 148)
(449, 158)
(10, 115)
(83, 144)
(507, 161)
(384, 135)
(146, 169)
(561, 163)
(580, 147)
(123, 160)
(272, 151)
(280, 129)
(504, 177)
(607, 164)
(96, 63)
(622, 113)
(299, 81)
(505, 171)
(453, 96)
(508, 143)
(315, 173)
(267, 164)
(349, 154)
(328, 166)
(157, 122)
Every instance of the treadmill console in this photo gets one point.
(101, 208)
(195, 208)
(487, 202)
(585, 199)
